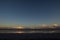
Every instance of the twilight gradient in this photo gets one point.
(28, 12)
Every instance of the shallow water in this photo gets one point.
(19, 31)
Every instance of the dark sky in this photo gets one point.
(28, 12)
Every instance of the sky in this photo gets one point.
(29, 12)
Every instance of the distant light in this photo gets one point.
(44, 25)
(19, 32)
(55, 24)
(19, 27)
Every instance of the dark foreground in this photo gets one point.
(29, 35)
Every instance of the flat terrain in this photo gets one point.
(36, 34)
